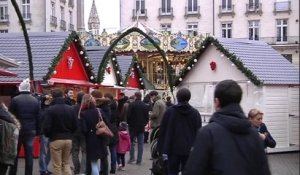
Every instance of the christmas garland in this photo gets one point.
(73, 38)
(106, 56)
(231, 56)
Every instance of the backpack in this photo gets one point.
(159, 166)
(9, 134)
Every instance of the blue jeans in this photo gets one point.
(44, 158)
(26, 139)
(113, 157)
(139, 137)
(94, 167)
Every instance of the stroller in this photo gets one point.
(159, 166)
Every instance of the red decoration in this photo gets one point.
(108, 70)
(213, 65)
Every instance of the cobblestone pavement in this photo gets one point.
(280, 164)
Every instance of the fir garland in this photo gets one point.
(101, 69)
(116, 68)
(73, 38)
(232, 57)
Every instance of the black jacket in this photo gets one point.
(96, 147)
(178, 129)
(60, 121)
(269, 141)
(228, 145)
(26, 108)
(137, 116)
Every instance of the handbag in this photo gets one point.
(101, 128)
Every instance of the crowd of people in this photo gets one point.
(66, 125)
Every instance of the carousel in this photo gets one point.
(161, 55)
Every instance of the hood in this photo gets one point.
(183, 108)
(123, 134)
(232, 118)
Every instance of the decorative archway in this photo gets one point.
(108, 54)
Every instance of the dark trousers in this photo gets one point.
(176, 164)
(26, 139)
(121, 159)
(3, 168)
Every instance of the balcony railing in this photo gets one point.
(285, 40)
(192, 12)
(165, 13)
(71, 27)
(4, 18)
(253, 9)
(226, 11)
(282, 7)
(53, 21)
(63, 25)
(26, 16)
(141, 13)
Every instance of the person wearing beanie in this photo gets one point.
(26, 108)
(177, 132)
(228, 144)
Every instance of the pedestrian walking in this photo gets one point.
(158, 109)
(96, 146)
(60, 125)
(255, 116)
(137, 119)
(124, 144)
(228, 144)
(78, 142)
(178, 131)
(9, 129)
(26, 108)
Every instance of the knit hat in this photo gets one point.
(25, 85)
(123, 126)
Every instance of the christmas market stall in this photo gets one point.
(59, 60)
(268, 80)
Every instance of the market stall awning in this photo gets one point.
(69, 81)
(7, 73)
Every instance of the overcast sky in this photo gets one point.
(108, 11)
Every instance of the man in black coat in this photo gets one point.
(228, 145)
(60, 124)
(178, 130)
(26, 108)
(137, 119)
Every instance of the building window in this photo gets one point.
(283, 5)
(253, 30)
(192, 5)
(62, 13)
(192, 29)
(281, 25)
(165, 28)
(3, 12)
(26, 9)
(71, 17)
(4, 31)
(226, 5)
(166, 6)
(227, 30)
(52, 8)
(140, 7)
(253, 4)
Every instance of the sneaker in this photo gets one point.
(131, 161)
(122, 168)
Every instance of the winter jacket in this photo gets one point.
(228, 145)
(96, 146)
(137, 116)
(124, 143)
(178, 129)
(26, 108)
(158, 110)
(269, 141)
(60, 121)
